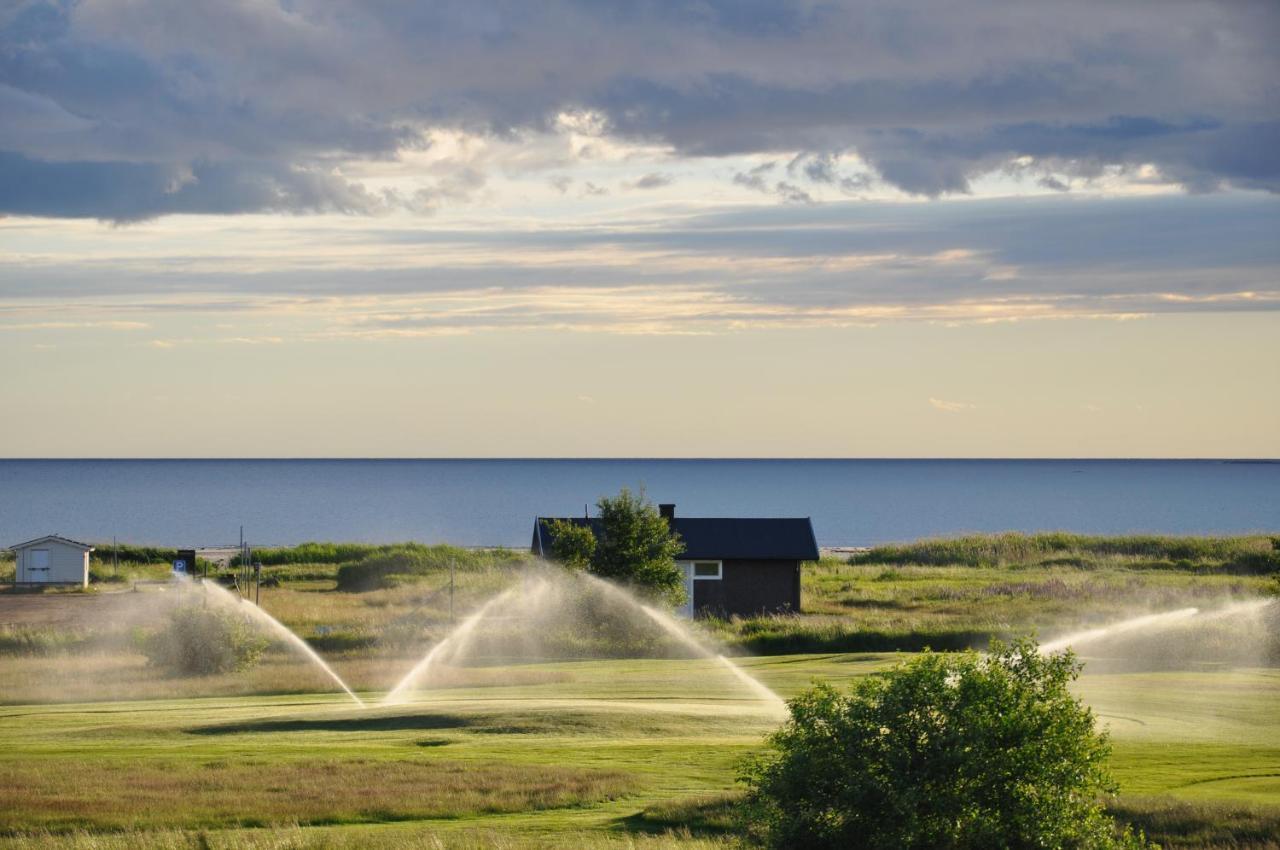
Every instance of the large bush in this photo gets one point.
(964, 752)
(200, 640)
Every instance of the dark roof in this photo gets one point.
(59, 538)
(719, 538)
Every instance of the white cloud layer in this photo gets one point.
(692, 272)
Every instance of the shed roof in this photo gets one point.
(719, 538)
(52, 537)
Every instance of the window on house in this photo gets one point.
(39, 560)
(706, 569)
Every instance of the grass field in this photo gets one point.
(578, 754)
(99, 750)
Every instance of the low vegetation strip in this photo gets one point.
(1252, 554)
(1181, 825)
(394, 565)
(387, 838)
(131, 794)
(346, 553)
(787, 635)
(1173, 824)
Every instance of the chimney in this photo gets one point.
(668, 512)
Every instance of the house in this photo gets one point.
(52, 560)
(740, 566)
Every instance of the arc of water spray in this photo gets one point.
(454, 640)
(1132, 624)
(282, 631)
(457, 640)
(673, 628)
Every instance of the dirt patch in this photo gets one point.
(66, 609)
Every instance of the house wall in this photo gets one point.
(67, 565)
(750, 587)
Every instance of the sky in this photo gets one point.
(314, 228)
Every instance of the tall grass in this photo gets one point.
(231, 793)
(413, 837)
(40, 640)
(1181, 825)
(390, 566)
(342, 553)
(1253, 554)
(786, 634)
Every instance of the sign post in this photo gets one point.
(184, 563)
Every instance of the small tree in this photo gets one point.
(946, 751)
(575, 544)
(635, 546)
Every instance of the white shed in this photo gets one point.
(52, 560)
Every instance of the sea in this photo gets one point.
(492, 502)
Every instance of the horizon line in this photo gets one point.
(647, 458)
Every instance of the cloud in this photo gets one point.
(63, 325)
(710, 271)
(457, 186)
(755, 178)
(951, 406)
(130, 191)
(137, 108)
(653, 181)
(792, 193)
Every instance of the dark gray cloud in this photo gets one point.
(266, 98)
(653, 181)
(754, 178)
(129, 191)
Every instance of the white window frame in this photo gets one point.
(31, 567)
(719, 576)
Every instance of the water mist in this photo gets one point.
(231, 601)
(524, 621)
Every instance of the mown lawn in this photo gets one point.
(598, 753)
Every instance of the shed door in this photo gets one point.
(38, 566)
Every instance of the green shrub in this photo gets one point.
(334, 642)
(199, 640)
(946, 751)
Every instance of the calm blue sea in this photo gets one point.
(489, 502)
